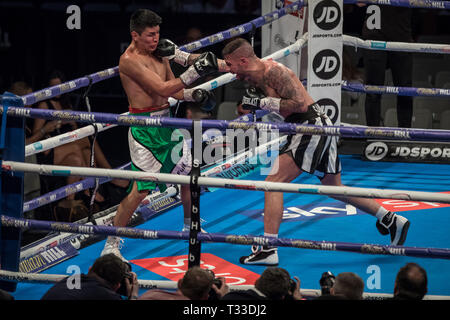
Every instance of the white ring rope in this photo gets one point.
(56, 141)
(396, 46)
(228, 183)
(242, 157)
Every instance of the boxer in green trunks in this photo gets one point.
(148, 81)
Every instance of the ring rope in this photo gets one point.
(56, 141)
(244, 28)
(288, 128)
(143, 213)
(243, 157)
(65, 191)
(146, 234)
(400, 91)
(426, 4)
(252, 185)
(395, 46)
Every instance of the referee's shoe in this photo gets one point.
(395, 225)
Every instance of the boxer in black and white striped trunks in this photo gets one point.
(313, 154)
(279, 90)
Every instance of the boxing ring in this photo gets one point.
(340, 238)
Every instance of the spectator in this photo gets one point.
(395, 25)
(411, 283)
(195, 285)
(347, 286)
(193, 34)
(21, 88)
(109, 278)
(247, 6)
(190, 110)
(273, 284)
(5, 296)
(76, 153)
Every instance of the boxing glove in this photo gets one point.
(252, 99)
(168, 49)
(204, 65)
(255, 99)
(205, 99)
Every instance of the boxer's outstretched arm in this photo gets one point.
(220, 63)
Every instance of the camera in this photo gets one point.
(326, 282)
(292, 285)
(217, 282)
(212, 294)
(128, 276)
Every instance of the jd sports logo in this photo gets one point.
(327, 15)
(326, 64)
(330, 108)
(376, 151)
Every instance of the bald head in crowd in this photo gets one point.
(348, 285)
(411, 282)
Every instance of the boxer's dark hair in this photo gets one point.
(143, 18)
(237, 43)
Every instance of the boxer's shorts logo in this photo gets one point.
(326, 64)
(327, 15)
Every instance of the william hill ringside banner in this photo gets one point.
(402, 151)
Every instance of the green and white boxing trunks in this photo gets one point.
(158, 150)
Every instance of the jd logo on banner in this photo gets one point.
(326, 64)
(327, 15)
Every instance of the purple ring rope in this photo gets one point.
(429, 4)
(400, 91)
(25, 224)
(63, 192)
(288, 128)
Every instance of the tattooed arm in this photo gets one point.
(287, 87)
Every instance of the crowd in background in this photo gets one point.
(110, 278)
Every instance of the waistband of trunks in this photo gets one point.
(313, 111)
(152, 110)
